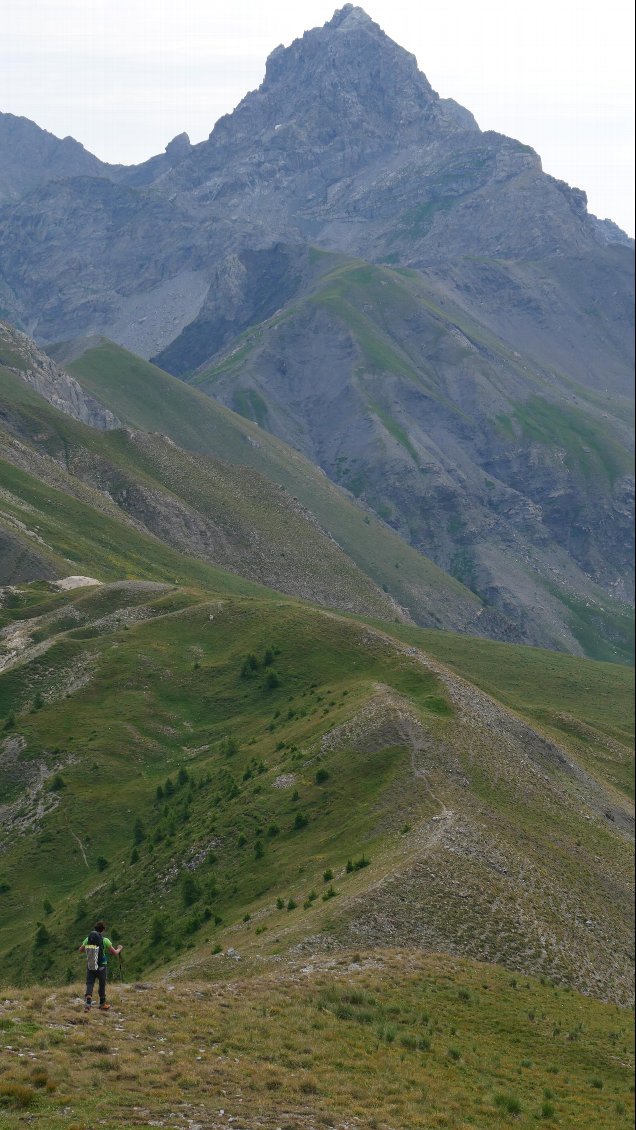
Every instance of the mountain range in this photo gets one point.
(409, 302)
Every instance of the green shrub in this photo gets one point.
(249, 666)
(358, 864)
(509, 1103)
(42, 936)
(321, 776)
(157, 930)
(190, 890)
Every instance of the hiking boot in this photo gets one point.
(87, 1006)
(104, 1006)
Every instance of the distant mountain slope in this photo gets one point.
(260, 509)
(195, 755)
(152, 400)
(137, 483)
(479, 455)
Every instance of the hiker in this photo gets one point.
(97, 948)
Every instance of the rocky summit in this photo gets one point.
(407, 300)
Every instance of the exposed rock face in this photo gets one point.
(32, 366)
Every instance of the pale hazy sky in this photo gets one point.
(124, 76)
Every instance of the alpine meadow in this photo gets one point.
(316, 621)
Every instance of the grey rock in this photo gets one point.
(19, 354)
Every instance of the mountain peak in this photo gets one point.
(347, 76)
(350, 16)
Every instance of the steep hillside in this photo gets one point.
(189, 760)
(478, 455)
(140, 484)
(150, 399)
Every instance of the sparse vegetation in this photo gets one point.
(338, 1018)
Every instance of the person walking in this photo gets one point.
(97, 947)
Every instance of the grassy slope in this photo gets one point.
(115, 706)
(233, 517)
(577, 701)
(385, 1040)
(148, 398)
(80, 539)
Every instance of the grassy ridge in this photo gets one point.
(182, 702)
(543, 685)
(192, 759)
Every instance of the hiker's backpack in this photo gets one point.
(94, 950)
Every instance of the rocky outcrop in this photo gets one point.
(22, 357)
